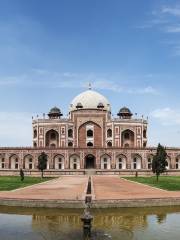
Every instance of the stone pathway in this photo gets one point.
(114, 187)
(74, 188)
(63, 188)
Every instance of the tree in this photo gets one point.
(42, 163)
(21, 175)
(159, 162)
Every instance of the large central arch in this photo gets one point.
(89, 161)
(89, 135)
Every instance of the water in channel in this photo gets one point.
(65, 224)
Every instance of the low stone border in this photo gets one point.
(120, 203)
(148, 202)
(40, 203)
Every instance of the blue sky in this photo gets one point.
(50, 50)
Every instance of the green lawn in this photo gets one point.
(12, 182)
(171, 183)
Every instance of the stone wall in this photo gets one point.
(12, 159)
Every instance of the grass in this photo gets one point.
(171, 183)
(12, 182)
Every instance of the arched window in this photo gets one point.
(144, 133)
(35, 144)
(109, 144)
(120, 163)
(74, 163)
(70, 144)
(70, 133)
(178, 163)
(16, 164)
(52, 145)
(89, 133)
(30, 163)
(109, 133)
(149, 163)
(35, 133)
(2, 162)
(126, 145)
(105, 163)
(135, 163)
(60, 163)
(89, 144)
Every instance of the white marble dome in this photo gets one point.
(90, 100)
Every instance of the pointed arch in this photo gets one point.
(14, 161)
(169, 162)
(2, 161)
(28, 162)
(149, 161)
(74, 161)
(136, 161)
(127, 138)
(58, 161)
(52, 138)
(177, 166)
(121, 161)
(105, 161)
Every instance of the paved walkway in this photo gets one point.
(74, 188)
(113, 187)
(68, 188)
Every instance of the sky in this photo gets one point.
(51, 49)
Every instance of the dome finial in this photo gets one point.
(90, 86)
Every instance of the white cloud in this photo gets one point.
(107, 85)
(167, 116)
(165, 19)
(153, 23)
(9, 81)
(173, 29)
(175, 11)
(43, 78)
(146, 90)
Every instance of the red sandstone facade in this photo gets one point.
(88, 138)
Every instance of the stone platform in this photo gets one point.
(106, 191)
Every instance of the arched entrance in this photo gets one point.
(89, 162)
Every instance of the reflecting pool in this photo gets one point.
(162, 223)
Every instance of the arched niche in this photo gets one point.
(121, 161)
(28, 162)
(59, 162)
(105, 161)
(136, 161)
(74, 161)
(52, 138)
(127, 138)
(14, 161)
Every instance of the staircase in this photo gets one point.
(90, 172)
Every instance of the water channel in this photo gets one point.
(65, 224)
